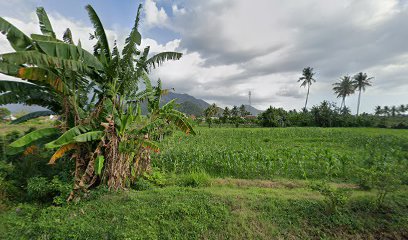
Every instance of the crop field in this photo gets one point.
(336, 154)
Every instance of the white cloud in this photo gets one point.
(154, 16)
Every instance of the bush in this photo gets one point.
(335, 198)
(42, 190)
(194, 179)
(156, 177)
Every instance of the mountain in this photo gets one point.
(252, 110)
(182, 98)
(187, 104)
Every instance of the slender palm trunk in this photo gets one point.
(307, 96)
(358, 103)
(343, 102)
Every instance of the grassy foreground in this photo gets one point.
(227, 209)
(261, 188)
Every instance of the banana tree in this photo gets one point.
(106, 134)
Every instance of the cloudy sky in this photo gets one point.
(231, 47)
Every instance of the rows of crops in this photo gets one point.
(302, 153)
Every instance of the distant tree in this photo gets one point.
(235, 111)
(4, 112)
(386, 111)
(210, 112)
(343, 89)
(360, 82)
(226, 114)
(378, 110)
(394, 111)
(243, 112)
(273, 117)
(307, 79)
(402, 109)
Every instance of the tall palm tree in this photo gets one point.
(386, 111)
(402, 109)
(307, 79)
(361, 81)
(394, 111)
(378, 110)
(343, 89)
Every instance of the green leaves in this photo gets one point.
(67, 137)
(89, 136)
(69, 52)
(99, 31)
(33, 136)
(45, 24)
(99, 161)
(43, 60)
(18, 40)
(158, 59)
(32, 115)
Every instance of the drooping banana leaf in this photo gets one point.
(32, 115)
(61, 151)
(69, 52)
(43, 60)
(160, 58)
(67, 137)
(179, 121)
(18, 40)
(33, 136)
(89, 136)
(18, 87)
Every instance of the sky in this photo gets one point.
(231, 47)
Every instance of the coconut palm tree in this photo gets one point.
(361, 81)
(343, 89)
(394, 111)
(378, 110)
(307, 79)
(386, 111)
(402, 109)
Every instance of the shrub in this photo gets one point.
(194, 179)
(42, 190)
(335, 198)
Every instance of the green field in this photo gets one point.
(244, 183)
(296, 153)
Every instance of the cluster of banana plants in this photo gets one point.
(96, 96)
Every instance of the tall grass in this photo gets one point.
(301, 153)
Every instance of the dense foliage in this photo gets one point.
(97, 97)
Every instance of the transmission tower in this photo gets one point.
(249, 97)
